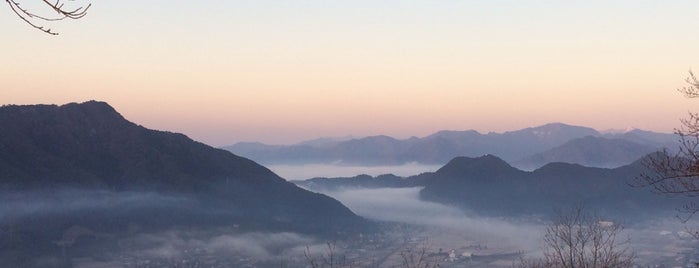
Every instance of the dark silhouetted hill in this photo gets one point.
(90, 147)
(488, 185)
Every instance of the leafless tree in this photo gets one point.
(411, 257)
(418, 257)
(678, 173)
(578, 239)
(329, 259)
(35, 19)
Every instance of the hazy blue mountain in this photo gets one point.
(325, 142)
(88, 153)
(437, 148)
(248, 147)
(375, 149)
(279, 154)
(488, 185)
(661, 140)
(591, 151)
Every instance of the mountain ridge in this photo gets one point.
(590, 151)
(488, 185)
(438, 148)
(90, 146)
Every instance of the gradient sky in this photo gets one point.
(285, 71)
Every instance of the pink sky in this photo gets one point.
(285, 71)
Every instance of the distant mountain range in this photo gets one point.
(590, 151)
(527, 148)
(90, 150)
(488, 185)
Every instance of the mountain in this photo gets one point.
(591, 151)
(437, 148)
(87, 153)
(489, 185)
(662, 140)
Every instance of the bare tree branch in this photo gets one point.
(578, 239)
(678, 174)
(691, 91)
(62, 12)
(329, 259)
(418, 257)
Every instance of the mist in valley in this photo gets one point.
(501, 242)
(408, 223)
(307, 171)
(404, 206)
(87, 228)
(187, 134)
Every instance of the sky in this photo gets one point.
(284, 71)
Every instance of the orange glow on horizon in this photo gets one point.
(285, 73)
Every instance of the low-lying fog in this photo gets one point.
(34, 232)
(498, 242)
(660, 241)
(302, 172)
(403, 205)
